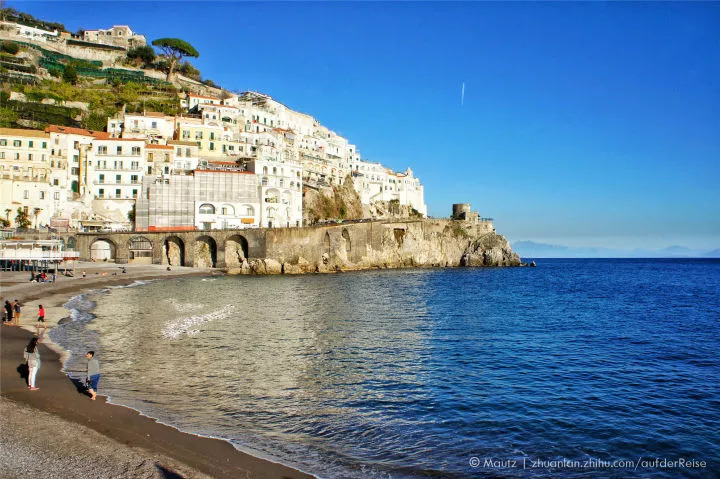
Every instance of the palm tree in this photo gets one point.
(36, 212)
(7, 214)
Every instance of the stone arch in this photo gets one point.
(174, 251)
(103, 249)
(346, 238)
(205, 252)
(71, 243)
(236, 251)
(206, 209)
(141, 249)
(326, 244)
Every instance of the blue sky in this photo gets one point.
(594, 124)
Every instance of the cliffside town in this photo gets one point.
(81, 152)
(223, 161)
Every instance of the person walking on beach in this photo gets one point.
(41, 320)
(8, 313)
(93, 374)
(16, 313)
(32, 356)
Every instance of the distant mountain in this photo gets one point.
(532, 249)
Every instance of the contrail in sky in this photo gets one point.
(462, 95)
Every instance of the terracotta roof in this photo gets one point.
(98, 135)
(69, 130)
(202, 96)
(26, 133)
(151, 146)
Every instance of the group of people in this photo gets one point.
(32, 358)
(42, 277)
(12, 312)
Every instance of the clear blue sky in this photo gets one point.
(591, 124)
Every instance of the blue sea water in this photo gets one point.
(576, 368)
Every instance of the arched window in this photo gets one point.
(249, 211)
(274, 170)
(265, 170)
(228, 210)
(207, 209)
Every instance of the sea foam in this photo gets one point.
(190, 326)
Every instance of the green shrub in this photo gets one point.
(145, 54)
(70, 75)
(10, 47)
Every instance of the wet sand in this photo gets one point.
(37, 427)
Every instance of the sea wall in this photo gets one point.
(327, 248)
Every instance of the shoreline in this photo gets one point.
(134, 434)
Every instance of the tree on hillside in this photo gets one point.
(144, 53)
(70, 75)
(175, 50)
(21, 218)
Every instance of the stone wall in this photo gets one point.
(329, 248)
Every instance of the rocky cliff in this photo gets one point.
(332, 203)
(373, 245)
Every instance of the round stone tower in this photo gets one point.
(460, 210)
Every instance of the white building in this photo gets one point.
(29, 179)
(280, 192)
(117, 35)
(152, 126)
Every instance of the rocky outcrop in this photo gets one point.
(332, 203)
(372, 245)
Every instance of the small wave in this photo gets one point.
(183, 307)
(190, 325)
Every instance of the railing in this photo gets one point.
(37, 254)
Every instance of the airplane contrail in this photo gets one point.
(462, 95)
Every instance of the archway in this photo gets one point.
(174, 251)
(346, 238)
(236, 251)
(205, 252)
(102, 250)
(140, 250)
(70, 245)
(326, 244)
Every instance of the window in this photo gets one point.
(17, 156)
(101, 193)
(119, 150)
(134, 193)
(133, 178)
(3, 142)
(179, 152)
(187, 151)
(212, 135)
(118, 178)
(102, 150)
(30, 144)
(76, 158)
(186, 134)
(154, 124)
(101, 179)
(2, 155)
(30, 157)
(56, 182)
(42, 195)
(17, 143)
(198, 135)
(118, 193)
(74, 171)
(207, 209)
(56, 195)
(26, 194)
(212, 146)
(134, 165)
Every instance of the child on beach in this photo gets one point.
(41, 319)
(32, 356)
(93, 374)
(16, 313)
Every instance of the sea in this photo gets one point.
(589, 368)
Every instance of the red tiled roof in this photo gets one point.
(69, 130)
(151, 146)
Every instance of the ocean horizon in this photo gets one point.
(578, 367)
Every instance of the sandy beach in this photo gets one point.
(58, 432)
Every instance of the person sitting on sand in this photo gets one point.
(16, 313)
(93, 374)
(41, 319)
(32, 356)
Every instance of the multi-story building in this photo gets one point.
(280, 192)
(187, 155)
(152, 126)
(221, 196)
(117, 35)
(29, 179)
(160, 159)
